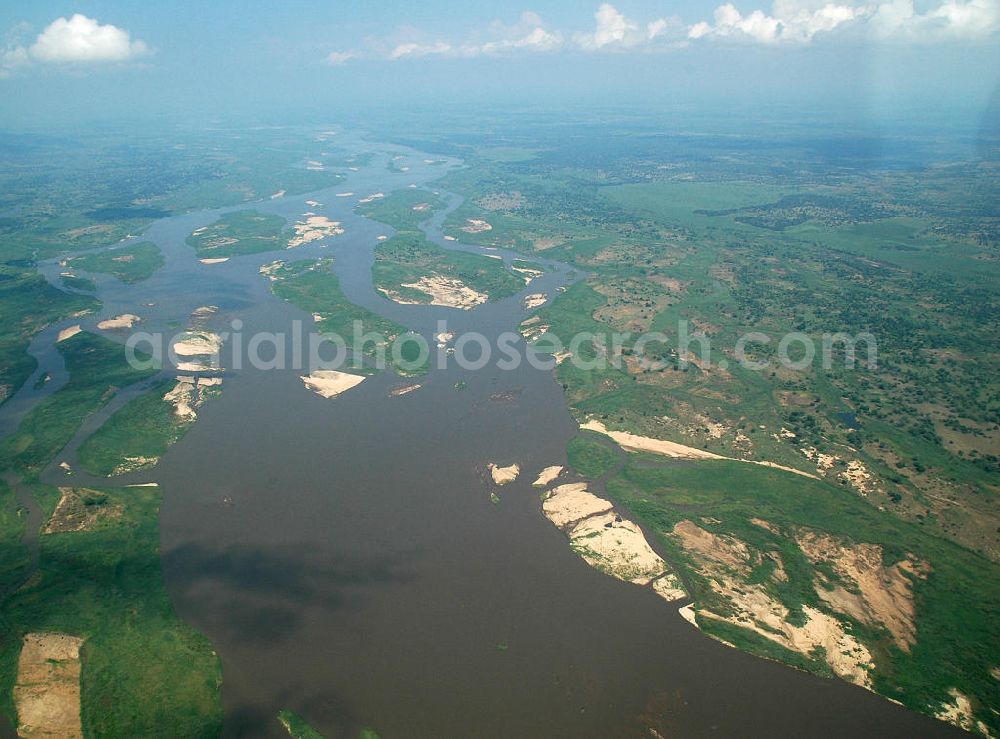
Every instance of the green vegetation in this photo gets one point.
(404, 210)
(103, 584)
(13, 556)
(409, 256)
(139, 433)
(240, 232)
(131, 264)
(955, 606)
(591, 456)
(28, 304)
(97, 368)
(312, 286)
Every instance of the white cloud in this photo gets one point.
(83, 39)
(787, 22)
(613, 29)
(75, 40)
(528, 34)
(801, 20)
(339, 57)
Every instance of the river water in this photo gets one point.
(346, 559)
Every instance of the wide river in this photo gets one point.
(346, 559)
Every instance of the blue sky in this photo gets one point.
(66, 61)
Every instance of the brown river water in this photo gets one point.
(346, 560)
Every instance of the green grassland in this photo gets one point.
(142, 668)
(956, 608)
(145, 428)
(240, 232)
(408, 256)
(131, 264)
(402, 209)
(312, 286)
(28, 304)
(97, 368)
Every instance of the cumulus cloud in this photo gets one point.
(786, 22)
(76, 40)
(801, 20)
(83, 39)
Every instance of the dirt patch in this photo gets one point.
(875, 594)
(726, 562)
(547, 475)
(189, 394)
(534, 300)
(446, 291)
(69, 332)
(476, 225)
(80, 509)
(312, 229)
(125, 320)
(330, 383)
(503, 475)
(959, 712)
(47, 692)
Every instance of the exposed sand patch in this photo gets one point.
(445, 291)
(534, 300)
(270, 270)
(726, 563)
(188, 395)
(47, 691)
(344, 195)
(197, 344)
(372, 198)
(214, 260)
(78, 510)
(617, 547)
(572, 502)
(608, 542)
(450, 238)
(404, 390)
(443, 338)
(476, 225)
(125, 320)
(635, 443)
(317, 204)
(503, 475)
(687, 613)
(959, 712)
(527, 273)
(312, 229)
(878, 595)
(68, 332)
(330, 383)
(279, 194)
(547, 475)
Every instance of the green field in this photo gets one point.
(137, 434)
(402, 209)
(130, 264)
(142, 668)
(238, 233)
(97, 367)
(312, 286)
(409, 256)
(726, 497)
